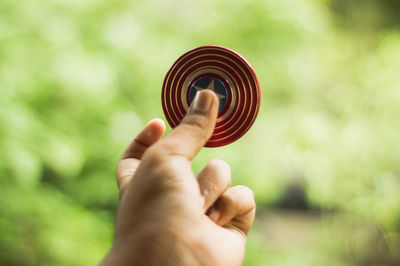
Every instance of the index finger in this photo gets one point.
(195, 129)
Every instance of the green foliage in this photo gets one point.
(78, 79)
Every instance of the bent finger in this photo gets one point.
(151, 133)
(213, 181)
(127, 166)
(236, 208)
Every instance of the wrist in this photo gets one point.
(156, 246)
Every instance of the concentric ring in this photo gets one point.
(237, 87)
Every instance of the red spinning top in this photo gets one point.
(226, 73)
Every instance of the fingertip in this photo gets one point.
(150, 134)
(157, 121)
(219, 164)
(156, 127)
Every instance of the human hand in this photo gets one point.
(167, 215)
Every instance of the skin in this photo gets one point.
(170, 216)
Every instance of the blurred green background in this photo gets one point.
(79, 78)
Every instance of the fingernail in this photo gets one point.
(202, 101)
(215, 215)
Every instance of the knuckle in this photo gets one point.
(223, 169)
(252, 205)
(217, 163)
(246, 190)
(251, 202)
(247, 196)
(229, 199)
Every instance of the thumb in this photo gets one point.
(196, 127)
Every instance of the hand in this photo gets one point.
(167, 215)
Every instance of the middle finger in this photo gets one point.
(213, 181)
